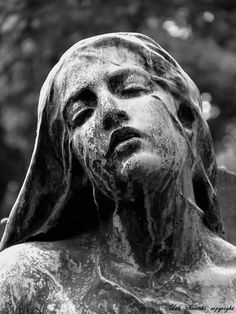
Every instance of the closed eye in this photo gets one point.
(80, 107)
(81, 117)
(128, 83)
(135, 91)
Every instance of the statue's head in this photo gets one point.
(116, 112)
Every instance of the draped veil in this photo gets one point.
(54, 198)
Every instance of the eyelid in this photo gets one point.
(69, 110)
(76, 103)
(84, 95)
(134, 86)
(135, 83)
(80, 117)
(78, 109)
(129, 77)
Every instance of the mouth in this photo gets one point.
(120, 136)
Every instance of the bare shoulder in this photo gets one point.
(25, 279)
(216, 284)
(214, 278)
(25, 256)
(37, 277)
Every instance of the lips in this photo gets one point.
(121, 135)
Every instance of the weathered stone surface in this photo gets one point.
(118, 212)
(226, 186)
(74, 276)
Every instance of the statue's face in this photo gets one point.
(120, 119)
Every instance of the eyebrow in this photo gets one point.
(74, 94)
(130, 70)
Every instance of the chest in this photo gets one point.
(98, 295)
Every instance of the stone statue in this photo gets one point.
(118, 212)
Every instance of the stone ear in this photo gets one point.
(186, 116)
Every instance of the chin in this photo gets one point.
(141, 166)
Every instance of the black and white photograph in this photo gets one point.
(117, 157)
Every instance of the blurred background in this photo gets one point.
(201, 36)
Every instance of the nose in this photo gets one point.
(113, 115)
(114, 118)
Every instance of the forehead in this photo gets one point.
(90, 65)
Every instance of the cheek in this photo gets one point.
(173, 149)
(171, 145)
(154, 119)
(150, 115)
(89, 147)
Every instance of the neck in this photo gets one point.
(157, 230)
